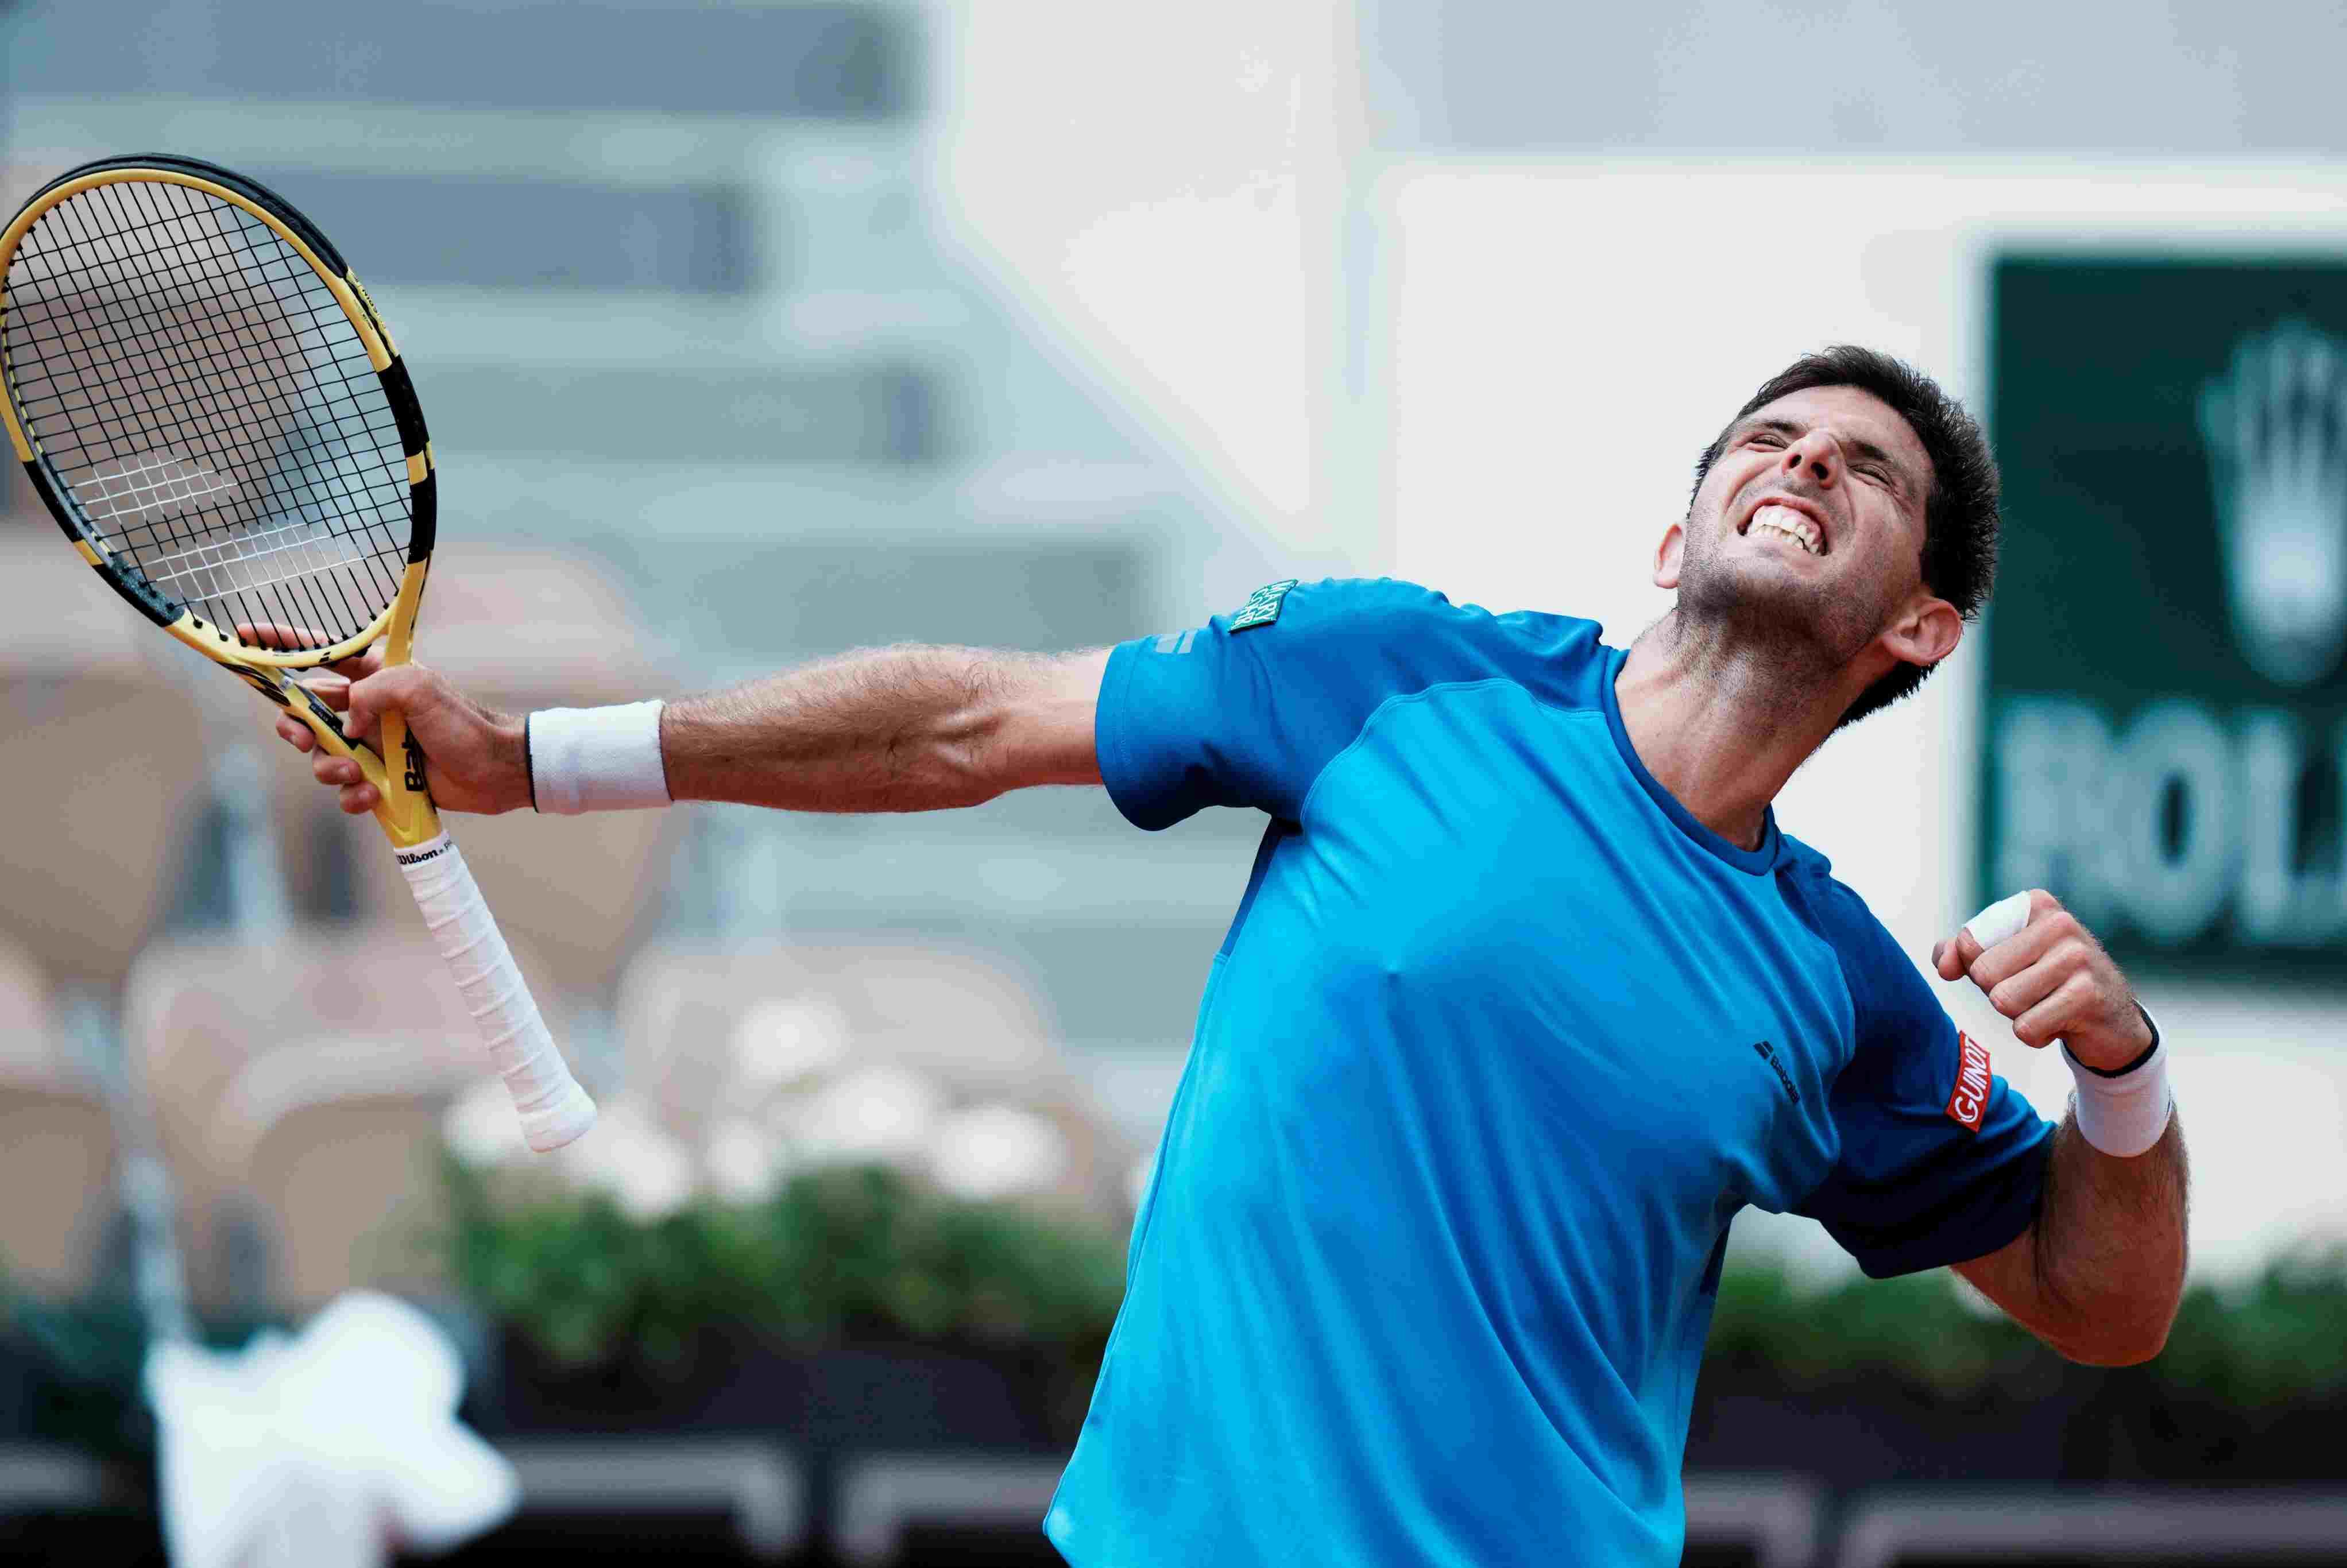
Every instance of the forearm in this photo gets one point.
(895, 729)
(2110, 1246)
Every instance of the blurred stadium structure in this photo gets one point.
(1042, 326)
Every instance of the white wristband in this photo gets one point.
(2124, 1115)
(596, 759)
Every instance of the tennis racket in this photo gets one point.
(204, 394)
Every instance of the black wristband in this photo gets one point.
(528, 767)
(2139, 1062)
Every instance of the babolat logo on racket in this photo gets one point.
(1261, 607)
(414, 777)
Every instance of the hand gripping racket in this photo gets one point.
(204, 394)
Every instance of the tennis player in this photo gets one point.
(1528, 995)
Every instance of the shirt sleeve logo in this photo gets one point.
(1261, 607)
(1968, 1103)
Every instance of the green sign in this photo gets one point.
(2166, 724)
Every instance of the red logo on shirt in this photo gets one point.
(1969, 1103)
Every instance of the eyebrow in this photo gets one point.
(1859, 447)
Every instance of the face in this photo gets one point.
(1807, 533)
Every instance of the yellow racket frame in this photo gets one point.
(405, 811)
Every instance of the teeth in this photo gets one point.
(1787, 522)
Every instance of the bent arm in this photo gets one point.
(892, 729)
(2099, 1275)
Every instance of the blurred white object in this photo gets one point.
(1137, 1180)
(482, 1128)
(877, 1113)
(743, 1161)
(324, 1450)
(648, 1172)
(997, 1151)
(789, 1038)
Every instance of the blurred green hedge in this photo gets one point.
(860, 1251)
(843, 1253)
(865, 1254)
(2277, 1338)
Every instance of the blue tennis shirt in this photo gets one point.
(1499, 1041)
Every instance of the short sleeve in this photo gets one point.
(1940, 1160)
(1247, 709)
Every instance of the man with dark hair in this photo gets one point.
(1526, 998)
(1960, 514)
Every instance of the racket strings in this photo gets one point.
(205, 566)
(213, 564)
(210, 406)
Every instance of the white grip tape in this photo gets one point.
(2001, 919)
(554, 1109)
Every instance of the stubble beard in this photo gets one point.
(1796, 638)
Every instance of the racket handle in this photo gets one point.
(554, 1109)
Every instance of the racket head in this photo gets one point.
(201, 393)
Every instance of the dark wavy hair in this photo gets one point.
(1960, 516)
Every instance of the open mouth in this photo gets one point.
(1797, 526)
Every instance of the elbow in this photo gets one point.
(949, 772)
(2116, 1342)
(966, 758)
(2128, 1352)
(951, 757)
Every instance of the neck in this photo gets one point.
(1720, 723)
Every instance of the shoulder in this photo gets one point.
(1412, 636)
(1889, 1001)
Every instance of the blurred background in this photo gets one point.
(749, 332)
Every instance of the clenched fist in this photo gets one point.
(2052, 979)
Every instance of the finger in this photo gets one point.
(359, 666)
(366, 701)
(2001, 919)
(295, 734)
(2028, 985)
(385, 692)
(329, 769)
(359, 799)
(331, 689)
(2016, 953)
(1985, 930)
(2047, 1022)
(285, 635)
(279, 635)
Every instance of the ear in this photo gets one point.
(1668, 556)
(1926, 631)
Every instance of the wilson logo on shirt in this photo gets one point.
(1768, 1054)
(1968, 1103)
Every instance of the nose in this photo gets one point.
(1817, 457)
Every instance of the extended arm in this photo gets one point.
(2098, 1273)
(899, 728)
(896, 728)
